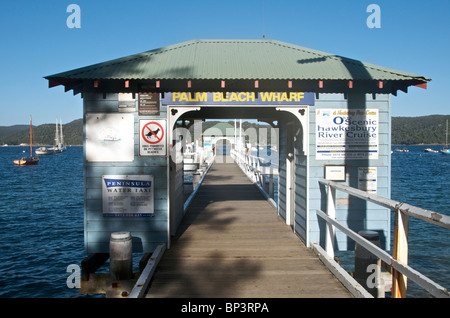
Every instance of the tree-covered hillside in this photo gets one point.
(43, 134)
(426, 130)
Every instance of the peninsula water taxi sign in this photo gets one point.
(128, 195)
(238, 98)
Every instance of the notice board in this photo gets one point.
(128, 195)
(347, 134)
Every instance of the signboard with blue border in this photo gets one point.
(128, 195)
(239, 98)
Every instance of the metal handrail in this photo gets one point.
(251, 166)
(397, 262)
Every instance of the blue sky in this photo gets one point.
(414, 37)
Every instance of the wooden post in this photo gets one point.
(400, 253)
(331, 212)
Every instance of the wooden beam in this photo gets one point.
(52, 83)
(331, 213)
(91, 263)
(142, 283)
(400, 253)
(348, 281)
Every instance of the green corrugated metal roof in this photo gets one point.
(236, 59)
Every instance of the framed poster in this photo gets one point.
(367, 179)
(109, 137)
(126, 102)
(149, 104)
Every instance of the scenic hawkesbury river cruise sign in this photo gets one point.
(238, 98)
(347, 134)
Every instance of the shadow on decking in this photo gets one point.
(206, 258)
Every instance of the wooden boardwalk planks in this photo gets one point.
(232, 244)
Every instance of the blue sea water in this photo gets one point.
(41, 219)
(421, 179)
(41, 223)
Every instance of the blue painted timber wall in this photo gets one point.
(147, 232)
(352, 212)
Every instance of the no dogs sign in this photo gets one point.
(152, 139)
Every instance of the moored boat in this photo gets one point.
(44, 151)
(401, 150)
(28, 161)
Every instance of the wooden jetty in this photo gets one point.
(232, 244)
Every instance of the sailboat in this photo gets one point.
(446, 150)
(59, 139)
(59, 143)
(28, 161)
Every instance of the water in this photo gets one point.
(421, 179)
(41, 219)
(41, 222)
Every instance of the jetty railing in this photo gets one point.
(398, 262)
(262, 172)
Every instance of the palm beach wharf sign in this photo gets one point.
(238, 98)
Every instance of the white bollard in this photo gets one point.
(120, 253)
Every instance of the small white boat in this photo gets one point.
(431, 150)
(44, 151)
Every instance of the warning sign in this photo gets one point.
(152, 141)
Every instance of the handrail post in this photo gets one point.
(400, 252)
(331, 212)
(271, 188)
